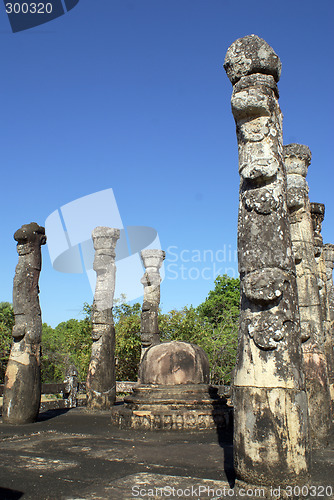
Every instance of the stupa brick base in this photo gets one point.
(173, 408)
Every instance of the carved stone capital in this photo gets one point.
(251, 54)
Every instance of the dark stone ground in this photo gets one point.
(76, 454)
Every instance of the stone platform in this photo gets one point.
(173, 407)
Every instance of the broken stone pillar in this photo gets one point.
(101, 382)
(149, 330)
(270, 402)
(297, 158)
(22, 388)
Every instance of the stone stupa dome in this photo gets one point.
(174, 363)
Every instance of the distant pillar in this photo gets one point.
(297, 159)
(101, 381)
(318, 215)
(270, 402)
(149, 329)
(328, 252)
(22, 388)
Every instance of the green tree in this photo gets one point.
(75, 342)
(223, 302)
(221, 310)
(6, 325)
(52, 360)
(69, 343)
(185, 325)
(128, 344)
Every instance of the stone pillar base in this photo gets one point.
(173, 408)
(101, 400)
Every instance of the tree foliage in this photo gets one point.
(69, 343)
(128, 346)
(6, 325)
(223, 303)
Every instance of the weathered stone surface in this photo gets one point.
(318, 214)
(328, 254)
(22, 390)
(179, 407)
(297, 158)
(101, 382)
(324, 256)
(271, 421)
(251, 54)
(149, 330)
(174, 363)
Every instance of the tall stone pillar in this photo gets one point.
(318, 214)
(270, 402)
(101, 381)
(328, 252)
(22, 389)
(297, 158)
(149, 330)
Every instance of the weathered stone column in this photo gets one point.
(328, 252)
(22, 389)
(297, 158)
(328, 255)
(149, 330)
(318, 214)
(270, 402)
(101, 382)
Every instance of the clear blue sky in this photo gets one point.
(131, 95)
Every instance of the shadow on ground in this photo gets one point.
(7, 494)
